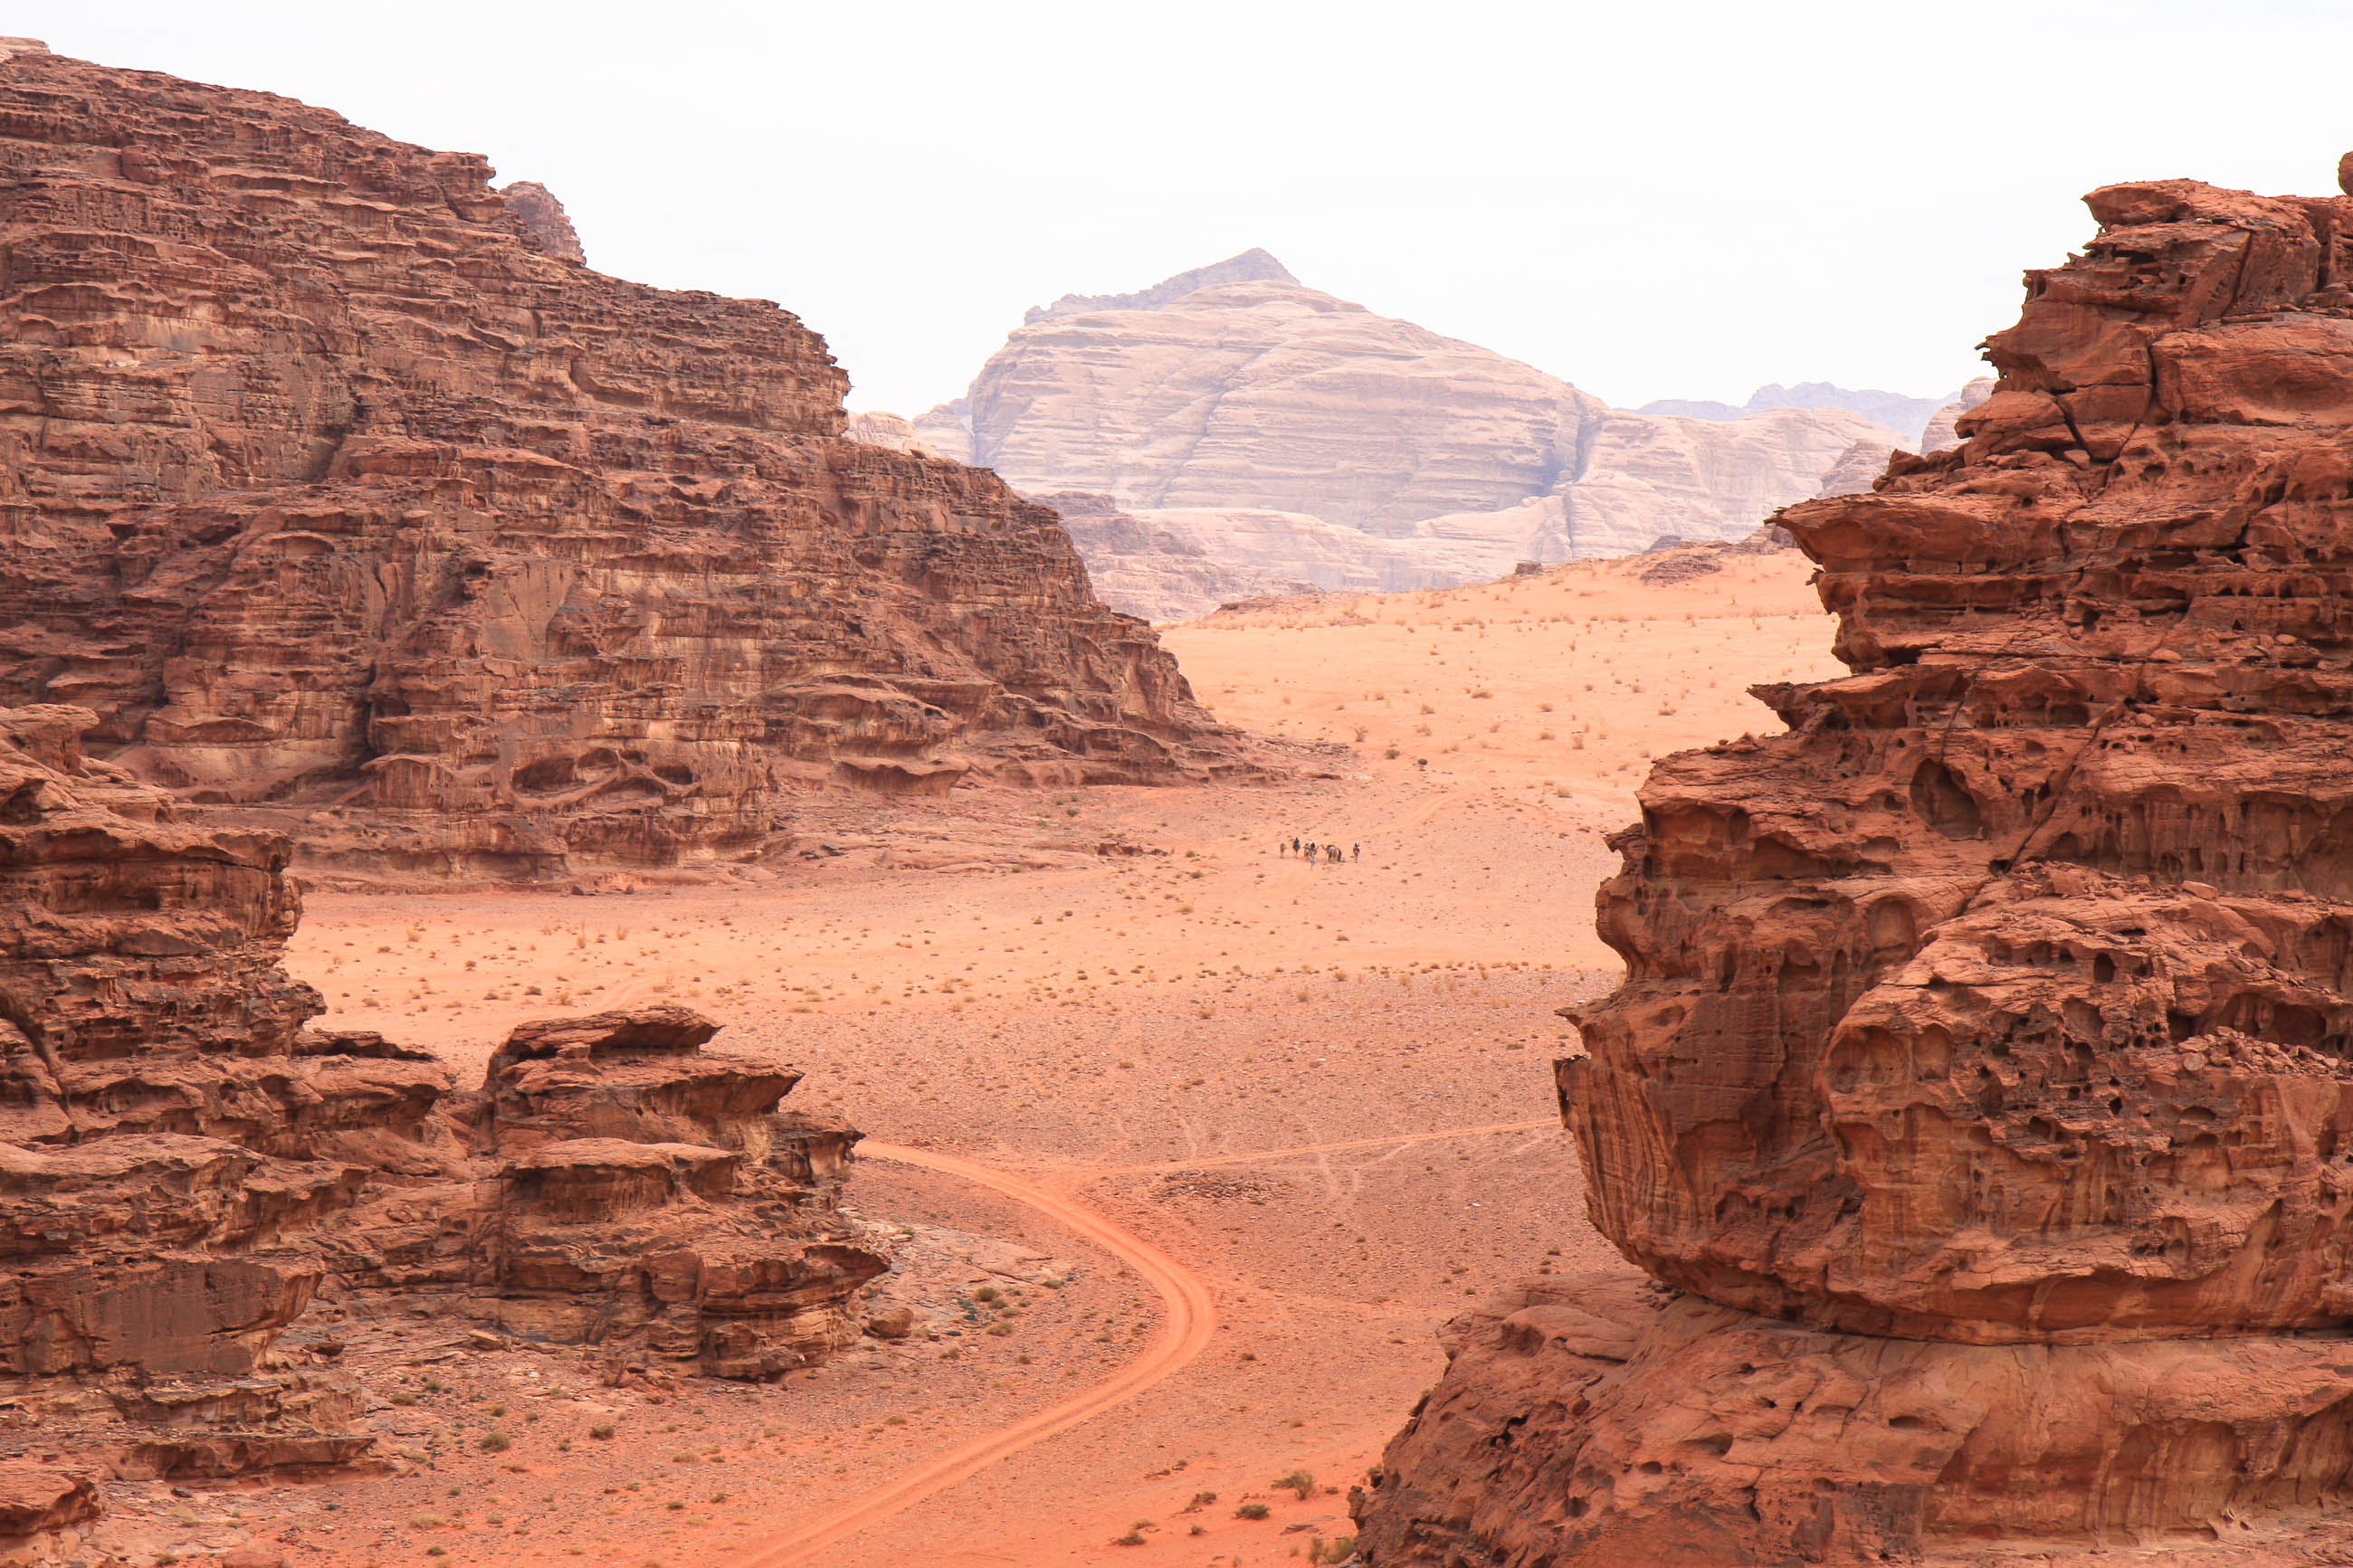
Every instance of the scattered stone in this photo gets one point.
(894, 1322)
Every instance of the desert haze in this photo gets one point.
(1272, 938)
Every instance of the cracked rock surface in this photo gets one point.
(199, 1193)
(1976, 1104)
(351, 503)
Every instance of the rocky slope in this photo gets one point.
(199, 1193)
(1975, 1101)
(335, 484)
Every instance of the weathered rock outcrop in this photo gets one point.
(649, 1193)
(41, 1506)
(174, 1142)
(338, 487)
(1981, 1074)
(185, 1167)
(546, 226)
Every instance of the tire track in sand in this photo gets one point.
(1192, 1319)
(1387, 1141)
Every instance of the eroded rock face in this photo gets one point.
(649, 1193)
(546, 226)
(187, 1169)
(173, 1143)
(339, 490)
(1981, 1071)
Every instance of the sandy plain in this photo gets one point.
(1321, 1093)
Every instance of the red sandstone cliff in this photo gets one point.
(195, 1188)
(1977, 1093)
(334, 483)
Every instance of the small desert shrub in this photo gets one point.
(497, 1443)
(1339, 1549)
(1251, 1510)
(600, 1431)
(1299, 1481)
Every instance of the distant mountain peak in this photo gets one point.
(1252, 265)
(1905, 415)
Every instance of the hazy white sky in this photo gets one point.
(1652, 200)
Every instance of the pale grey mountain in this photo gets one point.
(1243, 427)
(1252, 265)
(1905, 415)
(1940, 433)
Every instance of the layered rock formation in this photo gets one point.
(546, 226)
(1978, 1094)
(1279, 429)
(334, 484)
(186, 1168)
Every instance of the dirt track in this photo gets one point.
(1197, 1046)
(1192, 1319)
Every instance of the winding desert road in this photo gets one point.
(1192, 1319)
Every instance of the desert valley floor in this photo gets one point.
(1320, 1095)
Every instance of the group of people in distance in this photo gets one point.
(1327, 854)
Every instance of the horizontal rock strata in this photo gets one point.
(194, 1185)
(340, 490)
(1981, 1073)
